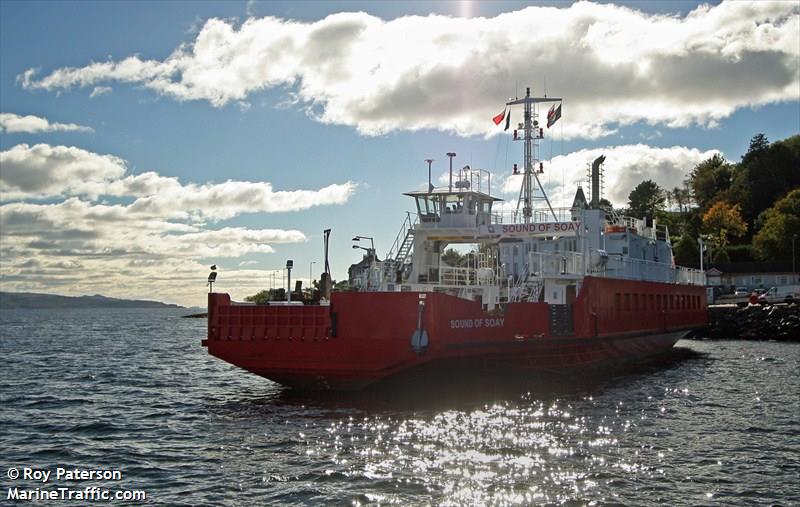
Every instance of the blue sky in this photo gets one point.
(657, 86)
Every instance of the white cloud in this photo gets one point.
(613, 65)
(150, 244)
(99, 90)
(226, 200)
(625, 167)
(47, 171)
(12, 123)
(42, 170)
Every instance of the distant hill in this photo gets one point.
(9, 300)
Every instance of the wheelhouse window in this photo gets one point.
(429, 207)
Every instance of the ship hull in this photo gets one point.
(365, 339)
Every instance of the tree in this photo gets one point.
(262, 297)
(342, 285)
(709, 180)
(780, 224)
(453, 258)
(646, 199)
(681, 197)
(721, 256)
(723, 221)
(687, 252)
(765, 174)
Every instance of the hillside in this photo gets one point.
(11, 300)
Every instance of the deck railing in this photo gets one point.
(546, 264)
(539, 216)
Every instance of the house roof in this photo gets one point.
(740, 268)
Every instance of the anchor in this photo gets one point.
(419, 340)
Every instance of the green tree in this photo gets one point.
(681, 197)
(453, 258)
(687, 252)
(722, 222)
(765, 174)
(721, 256)
(340, 286)
(780, 224)
(262, 297)
(646, 199)
(709, 180)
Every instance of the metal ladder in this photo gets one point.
(401, 250)
(526, 289)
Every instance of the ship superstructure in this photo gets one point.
(528, 254)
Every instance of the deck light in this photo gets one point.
(289, 265)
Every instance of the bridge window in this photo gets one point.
(429, 207)
(454, 204)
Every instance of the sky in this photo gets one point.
(141, 142)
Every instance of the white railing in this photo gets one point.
(539, 216)
(690, 276)
(658, 231)
(456, 276)
(545, 264)
(638, 269)
(554, 264)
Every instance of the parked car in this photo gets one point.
(786, 294)
(741, 291)
(759, 291)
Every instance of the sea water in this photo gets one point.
(132, 396)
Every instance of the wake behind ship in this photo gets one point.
(543, 289)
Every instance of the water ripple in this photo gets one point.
(715, 424)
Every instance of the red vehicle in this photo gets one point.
(539, 291)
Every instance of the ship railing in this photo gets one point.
(690, 276)
(639, 269)
(456, 276)
(619, 266)
(525, 288)
(477, 180)
(555, 264)
(544, 264)
(408, 223)
(401, 248)
(657, 231)
(539, 216)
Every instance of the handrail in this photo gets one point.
(542, 264)
(401, 236)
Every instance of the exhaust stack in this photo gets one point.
(596, 181)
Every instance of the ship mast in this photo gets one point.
(532, 133)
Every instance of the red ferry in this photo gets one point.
(543, 289)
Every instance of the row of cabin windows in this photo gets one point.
(648, 302)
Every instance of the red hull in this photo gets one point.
(365, 337)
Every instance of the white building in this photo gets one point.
(751, 275)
